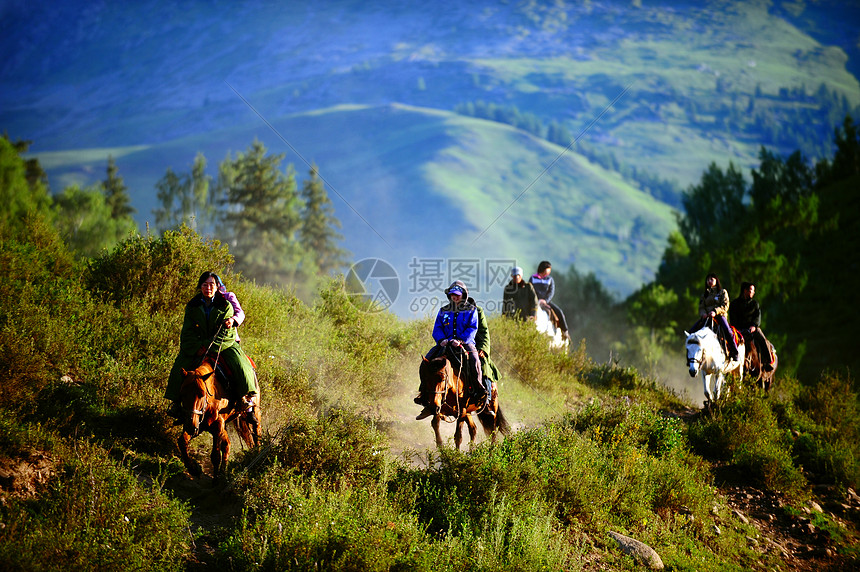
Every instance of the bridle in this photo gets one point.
(693, 360)
(449, 383)
(201, 412)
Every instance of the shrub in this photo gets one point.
(746, 432)
(157, 274)
(338, 447)
(93, 514)
(528, 357)
(827, 424)
(296, 523)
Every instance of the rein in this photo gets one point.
(210, 394)
(462, 358)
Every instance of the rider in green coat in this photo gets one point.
(482, 344)
(209, 326)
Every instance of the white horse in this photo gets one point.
(545, 325)
(705, 354)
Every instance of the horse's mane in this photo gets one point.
(432, 366)
(701, 334)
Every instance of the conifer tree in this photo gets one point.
(318, 235)
(261, 216)
(85, 221)
(22, 185)
(116, 193)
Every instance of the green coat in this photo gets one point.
(482, 344)
(198, 332)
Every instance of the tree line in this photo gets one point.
(789, 227)
(276, 231)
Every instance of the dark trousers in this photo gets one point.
(727, 331)
(474, 362)
(562, 321)
(761, 345)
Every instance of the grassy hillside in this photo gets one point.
(344, 479)
(435, 184)
(704, 82)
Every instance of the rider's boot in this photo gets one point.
(734, 357)
(175, 411)
(426, 412)
(419, 399)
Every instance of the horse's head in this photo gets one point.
(695, 352)
(194, 397)
(436, 378)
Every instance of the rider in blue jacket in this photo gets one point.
(456, 325)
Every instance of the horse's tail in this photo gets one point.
(248, 427)
(495, 422)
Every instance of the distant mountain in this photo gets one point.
(368, 90)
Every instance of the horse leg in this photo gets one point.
(254, 422)
(435, 424)
(220, 449)
(193, 468)
(718, 384)
(458, 433)
(473, 430)
(706, 381)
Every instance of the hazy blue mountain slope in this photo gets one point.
(83, 74)
(428, 184)
(662, 88)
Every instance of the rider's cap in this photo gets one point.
(516, 271)
(455, 290)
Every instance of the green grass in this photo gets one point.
(346, 479)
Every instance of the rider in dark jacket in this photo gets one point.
(745, 315)
(519, 299)
(544, 287)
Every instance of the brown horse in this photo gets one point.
(753, 366)
(454, 403)
(206, 407)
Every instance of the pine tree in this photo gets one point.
(85, 221)
(318, 234)
(116, 193)
(171, 189)
(261, 216)
(22, 188)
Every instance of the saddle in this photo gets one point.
(724, 342)
(224, 374)
(456, 356)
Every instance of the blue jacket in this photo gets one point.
(544, 287)
(459, 323)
